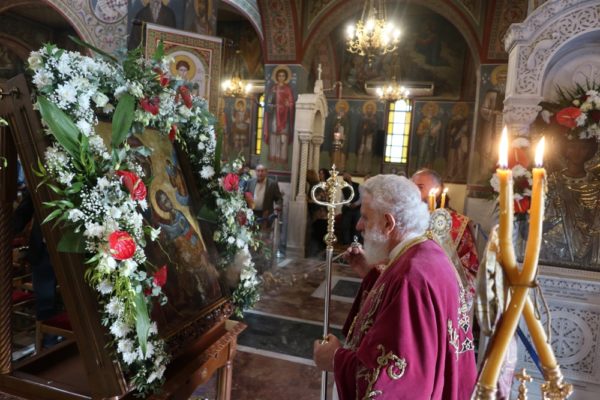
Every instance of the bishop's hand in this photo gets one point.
(324, 352)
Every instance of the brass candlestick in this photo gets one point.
(331, 187)
(555, 388)
(523, 377)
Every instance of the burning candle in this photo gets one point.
(536, 211)
(431, 199)
(443, 205)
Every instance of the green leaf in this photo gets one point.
(142, 320)
(159, 53)
(94, 49)
(52, 215)
(72, 242)
(218, 150)
(208, 214)
(122, 119)
(61, 126)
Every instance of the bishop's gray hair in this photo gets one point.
(400, 197)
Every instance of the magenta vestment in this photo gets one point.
(410, 335)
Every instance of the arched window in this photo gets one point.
(260, 116)
(398, 132)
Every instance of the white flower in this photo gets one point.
(581, 119)
(231, 240)
(100, 99)
(107, 109)
(115, 212)
(120, 90)
(127, 267)
(42, 78)
(207, 172)
(576, 102)
(66, 93)
(125, 346)
(65, 177)
(84, 126)
(185, 112)
(104, 287)
(75, 215)
(519, 171)
(114, 306)
(119, 329)
(130, 357)
(154, 233)
(201, 146)
(143, 204)
(35, 60)
(93, 229)
(102, 183)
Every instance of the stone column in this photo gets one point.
(316, 143)
(304, 138)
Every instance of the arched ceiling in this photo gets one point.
(338, 12)
(249, 8)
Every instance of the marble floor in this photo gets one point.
(274, 359)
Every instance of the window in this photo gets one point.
(398, 132)
(260, 116)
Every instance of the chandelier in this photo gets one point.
(393, 92)
(235, 86)
(372, 35)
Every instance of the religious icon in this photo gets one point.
(190, 71)
(240, 126)
(457, 143)
(280, 115)
(341, 133)
(428, 135)
(196, 60)
(109, 11)
(153, 11)
(367, 131)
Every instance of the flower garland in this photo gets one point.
(103, 193)
(519, 163)
(577, 112)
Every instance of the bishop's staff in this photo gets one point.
(331, 187)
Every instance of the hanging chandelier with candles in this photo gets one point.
(235, 86)
(393, 92)
(372, 35)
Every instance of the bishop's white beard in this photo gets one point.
(375, 246)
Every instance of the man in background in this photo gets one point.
(267, 197)
(461, 231)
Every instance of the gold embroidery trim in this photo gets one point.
(394, 367)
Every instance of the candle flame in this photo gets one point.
(539, 153)
(503, 158)
(445, 191)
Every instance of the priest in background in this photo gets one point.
(409, 334)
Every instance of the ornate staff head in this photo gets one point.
(331, 187)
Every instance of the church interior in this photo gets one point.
(297, 89)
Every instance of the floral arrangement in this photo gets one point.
(577, 112)
(519, 163)
(103, 194)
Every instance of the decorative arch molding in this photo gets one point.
(250, 10)
(79, 14)
(535, 46)
(280, 31)
(342, 10)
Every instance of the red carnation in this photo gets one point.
(185, 96)
(567, 116)
(164, 80)
(160, 276)
(150, 105)
(173, 132)
(134, 184)
(122, 246)
(241, 218)
(521, 206)
(231, 182)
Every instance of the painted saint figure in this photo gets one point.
(156, 12)
(457, 143)
(428, 132)
(240, 127)
(368, 128)
(280, 112)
